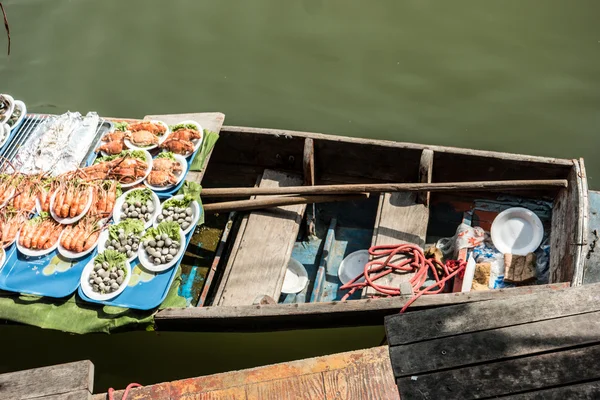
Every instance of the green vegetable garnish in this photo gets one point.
(187, 199)
(134, 226)
(113, 258)
(170, 228)
(183, 126)
(121, 126)
(39, 218)
(139, 154)
(191, 189)
(166, 154)
(138, 195)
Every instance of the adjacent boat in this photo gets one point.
(248, 269)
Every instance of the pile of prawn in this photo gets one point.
(83, 235)
(40, 233)
(11, 221)
(71, 198)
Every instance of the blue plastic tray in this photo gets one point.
(49, 275)
(146, 290)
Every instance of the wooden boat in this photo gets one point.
(250, 260)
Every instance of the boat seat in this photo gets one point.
(262, 249)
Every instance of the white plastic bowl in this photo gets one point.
(35, 253)
(517, 231)
(70, 255)
(180, 175)
(150, 266)
(69, 221)
(197, 142)
(149, 162)
(195, 213)
(161, 139)
(11, 107)
(87, 288)
(102, 244)
(4, 133)
(296, 278)
(18, 104)
(353, 265)
(117, 212)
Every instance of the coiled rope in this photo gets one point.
(414, 261)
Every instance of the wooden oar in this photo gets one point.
(384, 187)
(269, 202)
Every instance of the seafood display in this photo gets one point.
(71, 199)
(179, 210)
(114, 142)
(125, 237)
(127, 167)
(109, 272)
(161, 244)
(11, 222)
(40, 233)
(138, 205)
(57, 145)
(166, 171)
(82, 236)
(182, 139)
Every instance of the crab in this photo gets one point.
(161, 178)
(142, 138)
(182, 147)
(164, 164)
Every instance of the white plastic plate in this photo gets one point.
(197, 142)
(296, 278)
(21, 106)
(117, 212)
(517, 231)
(11, 107)
(4, 133)
(149, 162)
(34, 253)
(87, 288)
(102, 244)
(195, 213)
(70, 255)
(161, 139)
(150, 266)
(353, 265)
(180, 175)
(69, 221)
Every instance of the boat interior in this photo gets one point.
(240, 258)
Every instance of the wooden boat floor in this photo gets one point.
(361, 374)
(544, 345)
(259, 258)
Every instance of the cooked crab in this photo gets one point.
(185, 134)
(183, 147)
(161, 178)
(165, 164)
(142, 138)
(157, 129)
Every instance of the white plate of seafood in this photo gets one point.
(79, 240)
(184, 139)
(69, 206)
(19, 112)
(141, 203)
(7, 106)
(147, 172)
(167, 172)
(124, 237)
(161, 248)
(112, 143)
(38, 237)
(185, 212)
(146, 135)
(105, 277)
(4, 133)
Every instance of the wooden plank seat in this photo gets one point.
(534, 346)
(259, 257)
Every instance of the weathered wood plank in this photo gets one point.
(400, 220)
(425, 174)
(265, 248)
(236, 393)
(354, 308)
(505, 377)
(569, 227)
(496, 344)
(588, 390)
(48, 381)
(466, 318)
(82, 394)
(361, 381)
(309, 387)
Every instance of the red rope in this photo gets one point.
(125, 394)
(414, 261)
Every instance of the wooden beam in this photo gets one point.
(309, 180)
(386, 187)
(72, 381)
(425, 173)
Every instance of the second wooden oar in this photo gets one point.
(384, 187)
(269, 202)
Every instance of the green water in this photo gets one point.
(510, 75)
